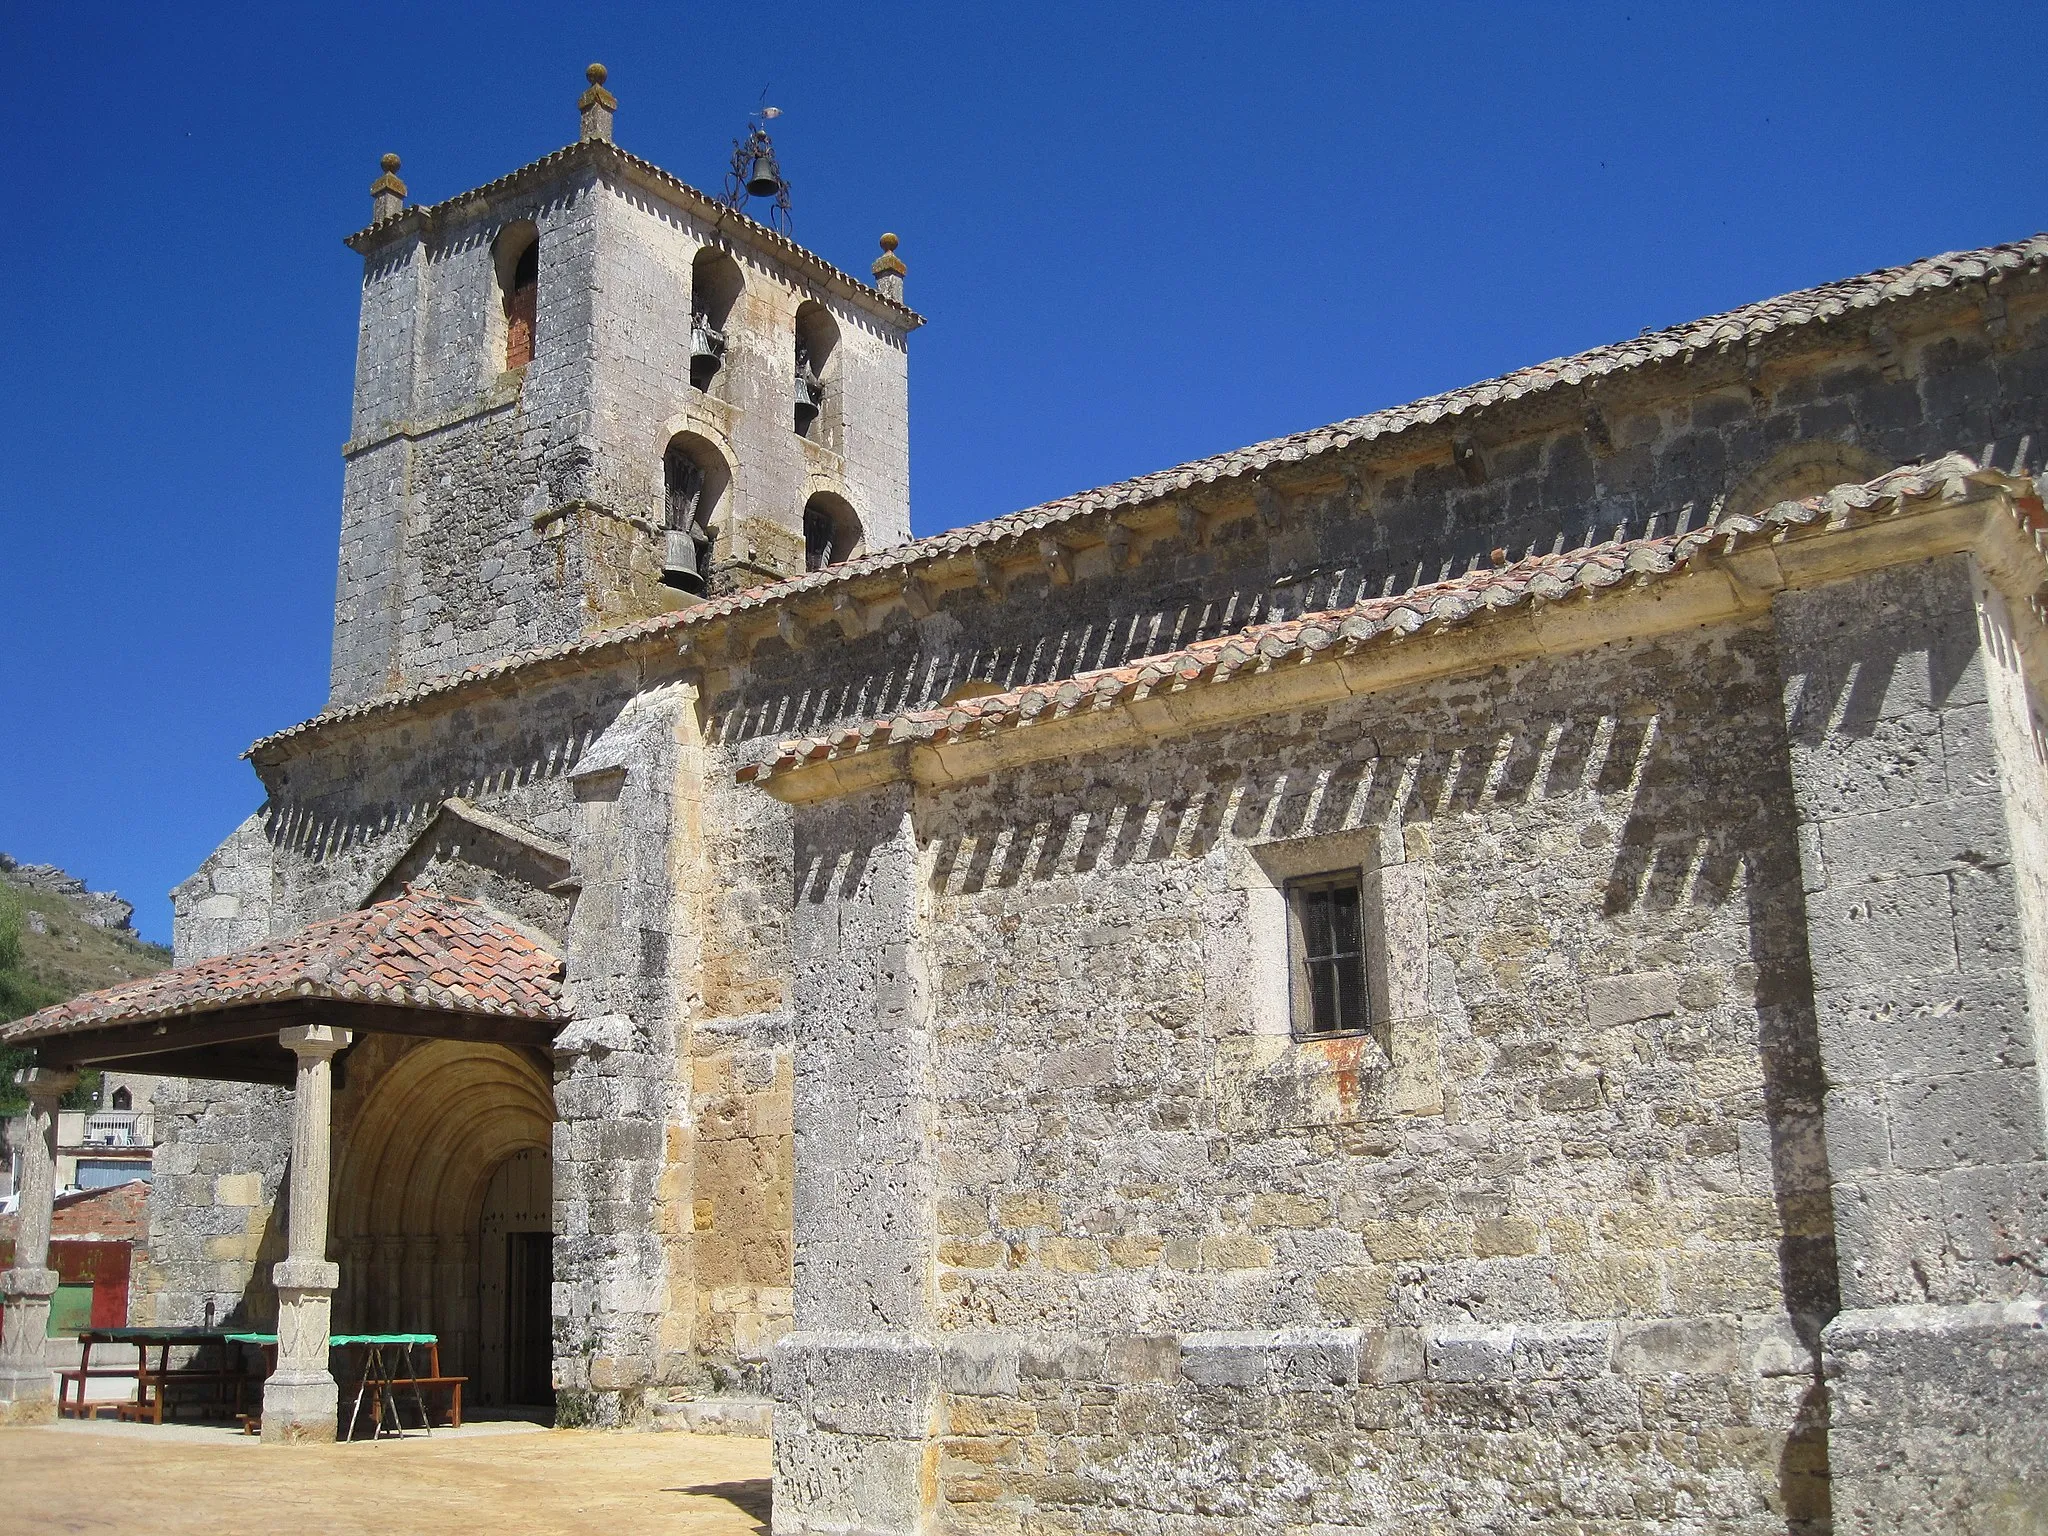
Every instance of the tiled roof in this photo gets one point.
(418, 950)
(117, 1213)
(593, 149)
(1346, 631)
(1811, 306)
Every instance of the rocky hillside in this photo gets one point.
(58, 939)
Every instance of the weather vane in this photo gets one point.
(754, 172)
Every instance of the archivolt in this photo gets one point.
(434, 1129)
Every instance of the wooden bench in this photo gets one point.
(78, 1376)
(434, 1382)
(152, 1389)
(431, 1386)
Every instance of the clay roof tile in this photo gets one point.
(416, 950)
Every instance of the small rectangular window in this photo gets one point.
(1326, 932)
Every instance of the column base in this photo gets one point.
(27, 1396)
(301, 1409)
(28, 1392)
(1936, 1419)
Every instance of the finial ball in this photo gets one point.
(890, 242)
(595, 74)
(390, 164)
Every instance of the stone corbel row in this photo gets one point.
(1103, 547)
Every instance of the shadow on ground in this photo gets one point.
(752, 1496)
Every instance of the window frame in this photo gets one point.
(1301, 992)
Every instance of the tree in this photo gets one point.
(21, 994)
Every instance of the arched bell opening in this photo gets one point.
(694, 482)
(816, 386)
(425, 1155)
(832, 531)
(515, 261)
(715, 287)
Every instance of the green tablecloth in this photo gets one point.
(156, 1335)
(345, 1338)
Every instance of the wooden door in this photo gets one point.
(529, 1318)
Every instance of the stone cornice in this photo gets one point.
(606, 158)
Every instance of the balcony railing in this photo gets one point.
(111, 1128)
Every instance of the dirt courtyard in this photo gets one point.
(98, 1477)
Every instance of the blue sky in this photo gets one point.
(1141, 234)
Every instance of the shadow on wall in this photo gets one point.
(1181, 608)
(255, 1310)
(1672, 850)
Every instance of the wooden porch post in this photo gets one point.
(300, 1399)
(25, 1395)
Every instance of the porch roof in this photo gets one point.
(422, 963)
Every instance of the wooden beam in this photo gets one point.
(259, 1021)
(236, 1062)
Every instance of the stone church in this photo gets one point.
(1471, 969)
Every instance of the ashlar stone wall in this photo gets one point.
(1669, 444)
(1555, 1257)
(1547, 1260)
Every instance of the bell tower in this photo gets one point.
(587, 392)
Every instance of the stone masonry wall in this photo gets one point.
(1556, 1261)
(216, 1223)
(450, 458)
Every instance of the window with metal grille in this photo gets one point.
(1327, 931)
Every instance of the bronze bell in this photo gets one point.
(763, 179)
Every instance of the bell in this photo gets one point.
(763, 179)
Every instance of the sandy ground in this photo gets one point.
(94, 1477)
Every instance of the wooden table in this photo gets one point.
(150, 1385)
(385, 1369)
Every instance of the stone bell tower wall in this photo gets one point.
(861, 451)
(487, 509)
(451, 456)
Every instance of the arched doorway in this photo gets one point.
(443, 1202)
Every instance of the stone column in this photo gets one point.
(25, 1381)
(300, 1399)
(353, 1301)
(416, 1313)
(857, 1381)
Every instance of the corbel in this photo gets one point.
(847, 610)
(1991, 307)
(988, 575)
(1057, 559)
(1598, 432)
(704, 644)
(1885, 342)
(1193, 526)
(1465, 454)
(1269, 505)
(1118, 537)
(1753, 375)
(916, 600)
(789, 627)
